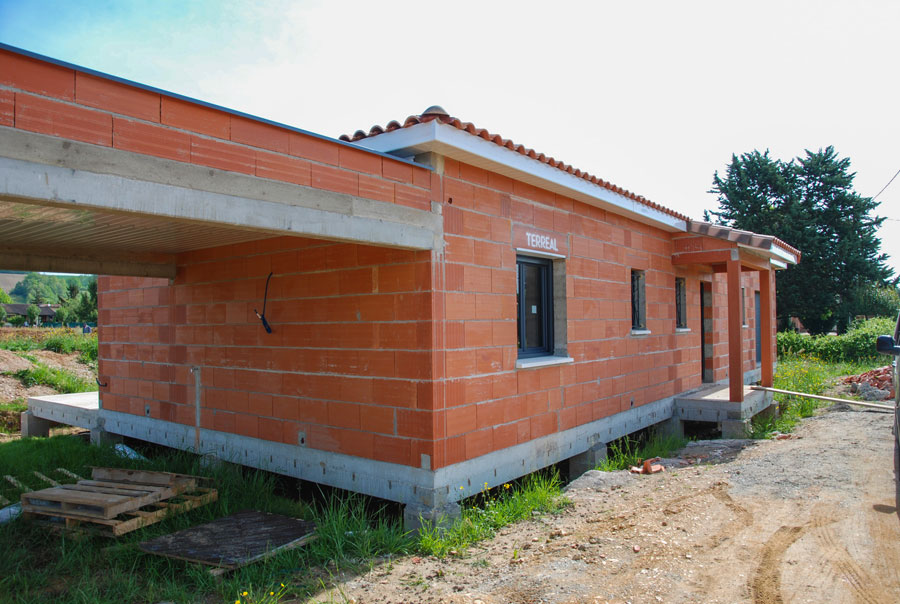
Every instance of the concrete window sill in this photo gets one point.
(548, 361)
(682, 330)
(640, 332)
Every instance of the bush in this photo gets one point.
(858, 344)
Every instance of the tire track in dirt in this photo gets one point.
(864, 586)
(743, 518)
(766, 584)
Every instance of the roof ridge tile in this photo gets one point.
(436, 112)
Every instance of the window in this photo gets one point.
(680, 303)
(638, 301)
(534, 299)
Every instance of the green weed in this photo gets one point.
(625, 452)
(59, 339)
(9, 414)
(808, 374)
(491, 510)
(60, 380)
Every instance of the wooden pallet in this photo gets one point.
(117, 501)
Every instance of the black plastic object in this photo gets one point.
(262, 316)
(886, 345)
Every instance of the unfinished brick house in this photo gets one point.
(443, 307)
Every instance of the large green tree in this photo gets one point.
(809, 202)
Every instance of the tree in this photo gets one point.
(2, 314)
(86, 309)
(33, 312)
(72, 289)
(872, 300)
(4, 297)
(809, 203)
(62, 315)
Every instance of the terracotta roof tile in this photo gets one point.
(436, 112)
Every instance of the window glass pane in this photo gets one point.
(534, 311)
(637, 300)
(680, 303)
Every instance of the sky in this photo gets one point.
(654, 96)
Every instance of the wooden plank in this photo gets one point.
(143, 519)
(184, 481)
(234, 541)
(12, 480)
(119, 488)
(823, 398)
(46, 479)
(65, 472)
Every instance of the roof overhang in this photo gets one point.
(778, 253)
(437, 137)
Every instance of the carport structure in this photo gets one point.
(101, 175)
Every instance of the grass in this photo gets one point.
(38, 565)
(59, 339)
(491, 510)
(64, 382)
(625, 452)
(9, 415)
(807, 374)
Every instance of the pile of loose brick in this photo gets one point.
(880, 378)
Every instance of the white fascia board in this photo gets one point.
(777, 255)
(460, 145)
(403, 141)
(784, 254)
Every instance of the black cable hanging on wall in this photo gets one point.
(262, 317)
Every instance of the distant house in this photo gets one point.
(48, 311)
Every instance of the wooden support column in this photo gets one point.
(735, 332)
(766, 328)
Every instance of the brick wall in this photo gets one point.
(348, 367)
(490, 404)
(51, 99)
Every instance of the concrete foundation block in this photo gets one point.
(414, 516)
(674, 426)
(99, 436)
(589, 460)
(33, 425)
(735, 428)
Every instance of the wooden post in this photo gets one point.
(767, 319)
(735, 332)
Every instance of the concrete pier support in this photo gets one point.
(735, 428)
(674, 426)
(589, 460)
(415, 515)
(33, 425)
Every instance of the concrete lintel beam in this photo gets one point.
(41, 169)
(30, 261)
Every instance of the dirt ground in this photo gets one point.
(812, 518)
(12, 389)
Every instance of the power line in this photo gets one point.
(886, 186)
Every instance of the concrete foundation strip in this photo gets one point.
(823, 398)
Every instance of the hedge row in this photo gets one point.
(858, 344)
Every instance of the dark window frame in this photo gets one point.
(638, 300)
(546, 301)
(680, 303)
